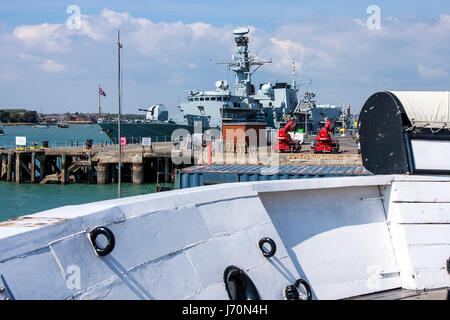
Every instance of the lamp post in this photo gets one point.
(119, 191)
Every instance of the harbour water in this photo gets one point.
(21, 199)
(54, 135)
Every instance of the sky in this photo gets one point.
(52, 59)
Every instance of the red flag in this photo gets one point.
(102, 92)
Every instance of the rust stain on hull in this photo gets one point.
(31, 222)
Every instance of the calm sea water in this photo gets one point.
(21, 199)
(54, 135)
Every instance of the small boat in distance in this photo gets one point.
(2, 132)
(62, 125)
(41, 126)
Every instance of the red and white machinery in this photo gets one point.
(285, 142)
(324, 141)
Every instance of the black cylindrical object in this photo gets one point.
(44, 144)
(397, 128)
(381, 135)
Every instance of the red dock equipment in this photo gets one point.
(324, 142)
(285, 141)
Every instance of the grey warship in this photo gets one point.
(269, 104)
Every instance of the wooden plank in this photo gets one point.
(25, 167)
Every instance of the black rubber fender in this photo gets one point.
(273, 247)
(307, 287)
(101, 252)
(238, 284)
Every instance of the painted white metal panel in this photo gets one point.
(433, 192)
(35, 276)
(411, 212)
(273, 277)
(337, 238)
(431, 154)
(152, 236)
(215, 291)
(211, 258)
(422, 251)
(230, 216)
(168, 278)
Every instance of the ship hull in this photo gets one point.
(134, 132)
(345, 237)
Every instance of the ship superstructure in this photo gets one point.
(221, 105)
(268, 106)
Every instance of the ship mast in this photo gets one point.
(294, 85)
(242, 63)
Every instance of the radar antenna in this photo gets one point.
(242, 62)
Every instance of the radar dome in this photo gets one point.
(222, 85)
(266, 89)
(241, 31)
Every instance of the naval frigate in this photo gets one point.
(269, 104)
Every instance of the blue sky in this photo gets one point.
(171, 46)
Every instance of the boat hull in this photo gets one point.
(346, 237)
(134, 132)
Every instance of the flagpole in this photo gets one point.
(99, 110)
(119, 191)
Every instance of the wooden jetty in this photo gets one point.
(84, 164)
(99, 163)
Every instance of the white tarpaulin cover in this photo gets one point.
(430, 109)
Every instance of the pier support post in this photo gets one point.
(18, 169)
(102, 173)
(113, 171)
(138, 173)
(90, 171)
(63, 169)
(32, 167)
(4, 166)
(9, 168)
(42, 166)
(166, 170)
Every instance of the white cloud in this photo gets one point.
(51, 66)
(427, 72)
(344, 57)
(49, 37)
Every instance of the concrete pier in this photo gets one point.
(138, 173)
(102, 173)
(99, 163)
(77, 164)
(18, 172)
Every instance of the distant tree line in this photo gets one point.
(18, 115)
